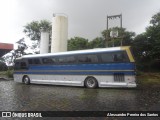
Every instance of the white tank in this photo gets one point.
(44, 42)
(59, 33)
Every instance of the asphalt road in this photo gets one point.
(19, 97)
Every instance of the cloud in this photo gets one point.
(87, 18)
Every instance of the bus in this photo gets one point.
(100, 67)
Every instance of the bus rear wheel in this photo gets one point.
(91, 82)
(26, 80)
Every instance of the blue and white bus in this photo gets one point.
(101, 67)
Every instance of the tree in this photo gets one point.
(21, 48)
(32, 30)
(141, 51)
(96, 43)
(146, 46)
(153, 35)
(9, 58)
(3, 66)
(125, 36)
(77, 43)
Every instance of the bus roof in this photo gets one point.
(77, 52)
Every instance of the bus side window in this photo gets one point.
(87, 59)
(23, 65)
(30, 61)
(61, 60)
(54, 60)
(116, 58)
(120, 57)
(47, 60)
(67, 60)
(36, 61)
(125, 57)
(92, 58)
(82, 58)
(107, 57)
(70, 59)
(17, 66)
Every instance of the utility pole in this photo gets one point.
(112, 17)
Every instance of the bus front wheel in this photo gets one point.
(26, 80)
(91, 82)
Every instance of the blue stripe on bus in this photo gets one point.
(77, 73)
(112, 66)
(93, 69)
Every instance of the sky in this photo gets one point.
(86, 18)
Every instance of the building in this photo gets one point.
(5, 48)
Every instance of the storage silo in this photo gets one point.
(59, 33)
(44, 41)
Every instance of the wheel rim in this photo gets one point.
(91, 82)
(26, 80)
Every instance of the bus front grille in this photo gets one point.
(119, 77)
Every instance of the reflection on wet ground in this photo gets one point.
(20, 97)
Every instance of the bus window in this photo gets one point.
(114, 57)
(87, 59)
(107, 57)
(92, 58)
(67, 59)
(120, 57)
(61, 59)
(30, 61)
(54, 60)
(36, 61)
(70, 59)
(17, 66)
(47, 60)
(23, 65)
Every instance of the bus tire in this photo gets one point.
(26, 80)
(91, 82)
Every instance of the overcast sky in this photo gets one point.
(87, 18)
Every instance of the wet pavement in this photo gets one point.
(19, 97)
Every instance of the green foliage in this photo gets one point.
(32, 30)
(77, 43)
(2, 59)
(125, 36)
(3, 66)
(148, 79)
(155, 21)
(146, 46)
(9, 73)
(96, 43)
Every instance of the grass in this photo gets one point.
(2, 72)
(148, 79)
(6, 74)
